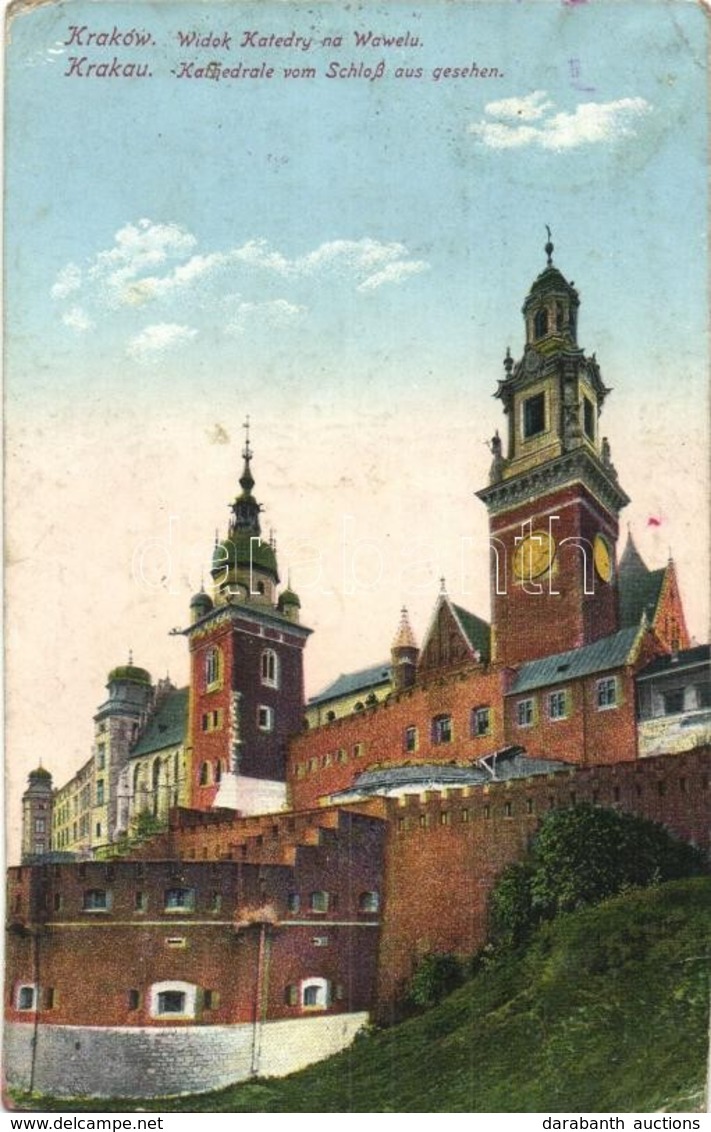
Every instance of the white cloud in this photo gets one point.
(158, 338)
(68, 281)
(526, 109)
(591, 123)
(274, 312)
(77, 319)
(393, 273)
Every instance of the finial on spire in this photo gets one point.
(130, 656)
(442, 585)
(508, 362)
(247, 451)
(404, 638)
(549, 247)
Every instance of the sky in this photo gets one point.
(334, 236)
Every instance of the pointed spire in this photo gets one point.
(508, 362)
(246, 479)
(404, 638)
(442, 585)
(632, 561)
(130, 656)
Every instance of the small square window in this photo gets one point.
(179, 900)
(97, 900)
(368, 902)
(171, 1002)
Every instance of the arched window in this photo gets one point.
(270, 668)
(218, 771)
(173, 999)
(213, 667)
(540, 323)
(319, 901)
(205, 774)
(314, 994)
(368, 902)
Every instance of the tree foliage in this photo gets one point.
(581, 856)
(436, 976)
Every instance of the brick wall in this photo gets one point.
(445, 850)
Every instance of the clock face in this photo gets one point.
(602, 556)
(534, 555)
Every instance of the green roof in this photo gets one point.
(130, 672)
(639, 593)
(476, 630)
(600, 656)
(349, 683)
(167, 726)
(243, 549)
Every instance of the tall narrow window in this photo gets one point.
(540, 323)
(589, 418)
(270, 668)
(213, 666)
(534, 415)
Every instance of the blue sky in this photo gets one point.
(345, 260)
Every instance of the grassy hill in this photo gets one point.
(607, 1011)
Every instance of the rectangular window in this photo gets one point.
(293, 902)
(442, 729)
(557, 705)
(50, 998)
(524, 713)
(179, 899)
(606, 693)
(410, 738)
(97, 900)
(39, 825)
(134, 1000)
(210, 999)
(140, 901)
(171, 1002)
(481, 721)
(357, 750)
(291, 995)
(589, 418)
(534, 415)
(100, 756)
(265, 718)
(100, 792)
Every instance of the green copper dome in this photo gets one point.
(242, 551)
(288, 597)
(40, 772)
(130, 673)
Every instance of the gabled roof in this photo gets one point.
(477, 631)
(167, 726)
(698, 657)
(348, 683)
(600, 656)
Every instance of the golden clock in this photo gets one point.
(534, 555)
(602, 557)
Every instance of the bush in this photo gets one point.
(436, 976)
(581, 856)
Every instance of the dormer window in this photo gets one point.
(540, 323)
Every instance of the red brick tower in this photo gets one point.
(553, 497)
(246, 683)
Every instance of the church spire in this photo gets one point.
(245, 509)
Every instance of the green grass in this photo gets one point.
(606, 1011)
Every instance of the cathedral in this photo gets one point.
(238, 878)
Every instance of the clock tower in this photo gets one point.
(553, 496)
